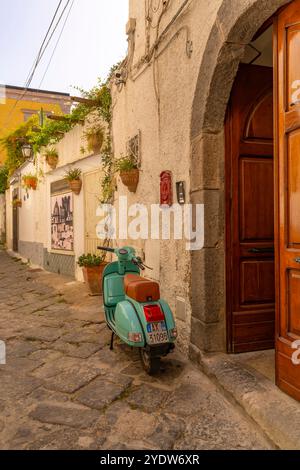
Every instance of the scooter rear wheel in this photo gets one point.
(150, 364)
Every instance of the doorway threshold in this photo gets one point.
(262, 361)
(250, 385)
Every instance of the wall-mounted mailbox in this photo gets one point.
(180, 190)
(166, 192)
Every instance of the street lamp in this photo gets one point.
(27, 151)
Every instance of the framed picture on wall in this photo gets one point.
(62, 231)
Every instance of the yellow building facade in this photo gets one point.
(16, 108)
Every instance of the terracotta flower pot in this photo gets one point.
(76, 186)
(30, 182)
(93, 278)
(33, 183)
(95, 142)
(130, 179)
(52, 161)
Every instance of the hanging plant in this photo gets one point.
(129, 172)
(73, 176)
(30, 181)
(17, 203)
(95, 137)
(51, 156)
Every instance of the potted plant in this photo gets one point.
(95, 138)
(74, 178)
(129, 172)
(30, 181)
(93, 266)
(51, 157)
(17, 202)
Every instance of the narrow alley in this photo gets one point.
(62, 388)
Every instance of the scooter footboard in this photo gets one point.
(128, 324)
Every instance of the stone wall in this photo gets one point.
(178, 76)
(32, 251)
(232, 30)
(59, 263)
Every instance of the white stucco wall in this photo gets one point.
(157, 101)
(2, 216)
(8, 213)
(34, 215)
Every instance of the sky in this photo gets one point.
(93, 40)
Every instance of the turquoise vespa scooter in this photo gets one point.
(134, 310)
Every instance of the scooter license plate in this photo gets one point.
(157, 333)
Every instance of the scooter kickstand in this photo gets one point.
(112, 341)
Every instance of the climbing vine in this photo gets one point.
(3, 179)
(97, 100)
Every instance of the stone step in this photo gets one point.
(274, 412)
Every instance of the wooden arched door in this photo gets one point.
(250, 212)
(287, 190)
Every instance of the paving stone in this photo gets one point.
(73, 416)
(167, 431)
(68, 439)
(114, 411)
(45, 355)
(83, 350)
(19, 387)
(148, 398)
(54, 367)
(24, 364)
(187, 400)
(101, 393)
(71, 380)
(81, 336)
(134, 369)
(42, 394)
(21, 348)
(43, 334)
(132, 427)
(77, 394)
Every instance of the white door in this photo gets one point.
(92, 195)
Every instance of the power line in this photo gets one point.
(40, 56)
(44, 40)
(41, 52)
(57, 42)
(33, 65)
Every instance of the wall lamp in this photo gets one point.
(27, 152)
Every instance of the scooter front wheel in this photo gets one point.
(150, 363)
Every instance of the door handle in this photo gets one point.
(262, 250)
(297, 260)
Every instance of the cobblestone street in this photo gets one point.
(62, 388)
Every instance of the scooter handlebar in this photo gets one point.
(138, 262)
(106, 248)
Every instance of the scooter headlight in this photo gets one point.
(135, 337)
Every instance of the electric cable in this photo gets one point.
(47, 44)
(41, 52)
(44, 40)
(56, 45)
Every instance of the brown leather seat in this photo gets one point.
(140, 288)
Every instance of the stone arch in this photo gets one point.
(235, 25)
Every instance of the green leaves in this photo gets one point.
(73, 174)
(90, 260)
(53, 131)
(125, 164)
(3, 179)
